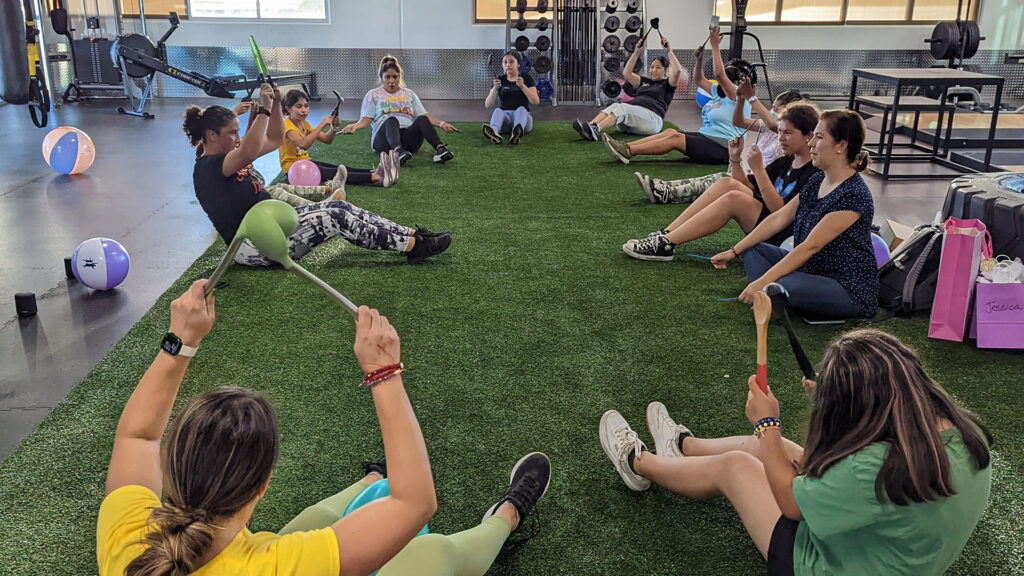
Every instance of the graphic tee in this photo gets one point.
(226, 199)
(379, 105)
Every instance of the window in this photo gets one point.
(259, 9)
(840, 11)
(493, 11)
(154, 8)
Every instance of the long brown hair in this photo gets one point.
(872, 388)
(216, 458)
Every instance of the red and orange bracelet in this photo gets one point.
(382, 374)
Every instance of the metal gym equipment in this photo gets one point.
(579, 50)
(736, 35)
(616, 49)
(543, 63)
(24, 70)
(93, 75)
(957, 40)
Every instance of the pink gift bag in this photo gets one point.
(964, 244)
(999, 316)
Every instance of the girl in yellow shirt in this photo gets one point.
(300, 136)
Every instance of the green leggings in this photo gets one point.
(296, 195)
(468, 553)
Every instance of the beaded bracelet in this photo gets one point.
(382, 374)
(766, 423)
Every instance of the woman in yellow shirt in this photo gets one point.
(300, 136)
(182, 506)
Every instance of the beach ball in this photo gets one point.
(375, 491)
(100, 263)
(304, 173)
(703, 97)
(881, 249)
(68, 150)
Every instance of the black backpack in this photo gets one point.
(906, 283)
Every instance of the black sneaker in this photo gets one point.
(403, 156)
(527, 484)
(651, 248)
(443, 155)
(491, 134)
(578, 126)
(593, 131)
(422, 231)
(427, 246)
(378, 467)
(517, 134)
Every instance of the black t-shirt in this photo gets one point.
(226, 199)
(655, 96)
(511, 96)
(788, 182)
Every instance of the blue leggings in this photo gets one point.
(820, 296)
(504, 120)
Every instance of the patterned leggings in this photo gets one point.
(321, 221)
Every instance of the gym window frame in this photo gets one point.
(531, 17)
(325, 20)
(844, 21)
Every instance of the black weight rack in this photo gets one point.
(578, 52)
(619, 27)
(542, 51)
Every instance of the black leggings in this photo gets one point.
(390, 135)
(356, 176)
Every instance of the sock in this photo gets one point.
(632, 456)
(679, 441)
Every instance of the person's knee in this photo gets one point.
(390, 120)
(738, 465)
(422, 121)
(737, 198)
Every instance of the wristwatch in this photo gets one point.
(752, 99)
(262, 110)
(174, 346)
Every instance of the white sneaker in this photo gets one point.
(618, 440)
(645, 182)
(338, 182)
(664, 430)
(385, 170)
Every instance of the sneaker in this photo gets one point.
(619, 441)
(338, 182)
(664, 430)
(443, 155)
(491, 135)
(517, 135)
(376, 467)
(393, 166)
(528, 483)
(662, 232)
(421, 231)
(661, 192)
(579, 127)
(384, 170)
(618, 149)
(427, 246)
(655, 248)
(645, 183)
(595, 132)
(403, 155)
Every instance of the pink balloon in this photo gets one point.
(304, 173)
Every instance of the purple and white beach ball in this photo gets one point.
(100, 263)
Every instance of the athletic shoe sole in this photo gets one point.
(628, 249)
(591, 134)
(491, 134)
(608, 144)
(442, 158)
(578, 126)
(645, 183)
(514, 139)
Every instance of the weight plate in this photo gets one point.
(633, 6)
(611, 89)
(543, 24)
(521, 24)
(543, 43)
(944, 41)
(972, 38)
(522, 43)
(139, 43)
(634, 23)
(542, 65)
(520, 6)
(545, 89)
(611, 24)
(611, 44)
(631, 42)
(630, 90)
(525, 64)
(612, 6)
(542, 6)
(612, 64)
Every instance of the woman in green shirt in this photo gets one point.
(893, 480)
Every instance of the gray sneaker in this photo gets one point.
(655, 248)
(618, 149)
(619, 441)
(664, 430)
(645, 183)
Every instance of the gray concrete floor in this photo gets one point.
(139, 192)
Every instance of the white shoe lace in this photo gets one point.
(649, 244)
(628, 441)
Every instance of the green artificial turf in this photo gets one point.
(517, 339)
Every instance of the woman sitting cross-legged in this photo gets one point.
(180, 503)
(398, 119)
(831, 271)
(746, 200)
(709, 145)
(514, 93)
(654, 93)
(686, 190)
(893, 479)
(227, 188)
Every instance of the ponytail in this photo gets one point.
(862, 161)
(847, 126)
(181, 538)
(198, 122)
